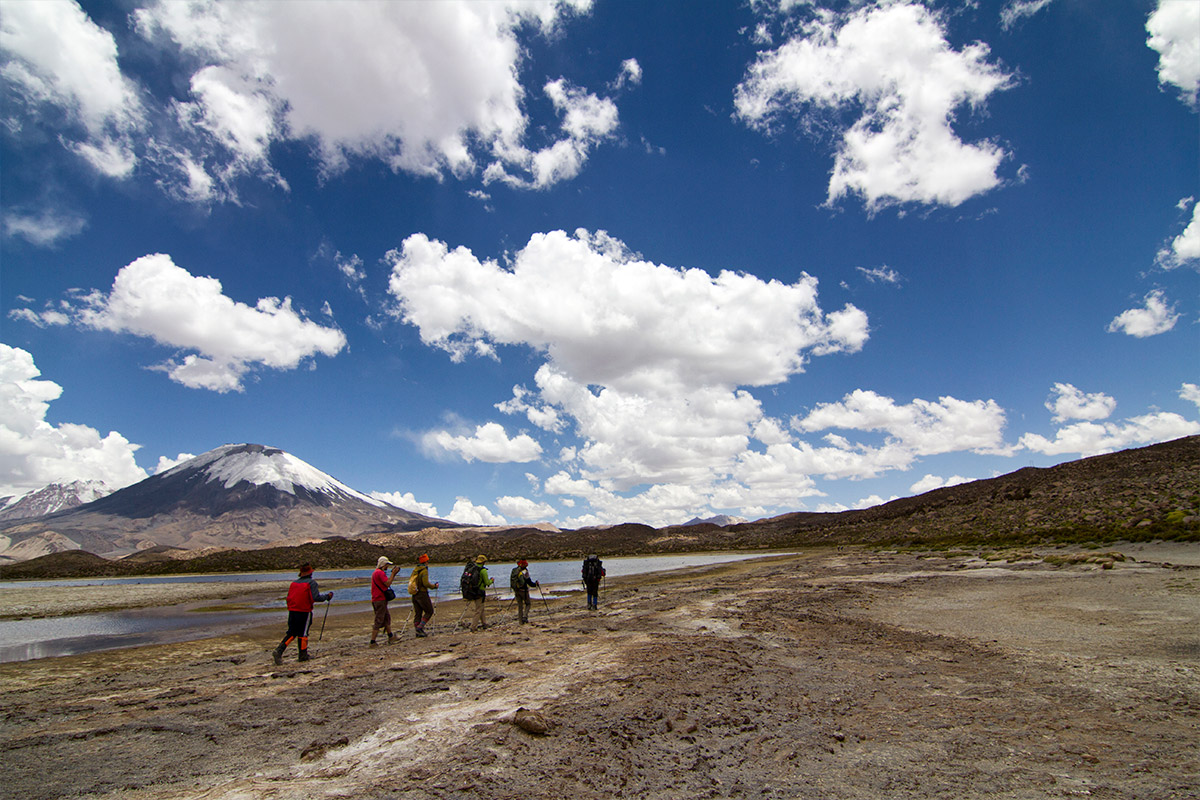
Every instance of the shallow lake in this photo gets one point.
(26, 639)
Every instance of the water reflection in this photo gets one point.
(25, 639)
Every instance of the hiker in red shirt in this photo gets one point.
(302, 594)
(381, 586)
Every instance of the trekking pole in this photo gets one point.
(328, 603)
(460, 616)
(404, 627)
(543, 594)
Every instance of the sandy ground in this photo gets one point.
(851, 674)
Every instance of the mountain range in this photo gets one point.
(238, 496)
(51, 498)
(1139, 494)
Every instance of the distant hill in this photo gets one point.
(238, 496)
(720, 519)
(1147, 493)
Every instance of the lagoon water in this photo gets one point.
(26, 639)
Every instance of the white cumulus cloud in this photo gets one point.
(644, 359)
(165, 463)
(891, 63)
(467, 513)
(1153, 318)
(1067, 402)
(525, 509)
(153, 297)
(922, 426)
(34, 452)
(427, 87)
(406, 501)
(489, 443)
(931, 482)
(1191, 393)
(58, 57)
(1184, 248)
(1173, 29)
(1092, 438)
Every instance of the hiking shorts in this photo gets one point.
(383, 617)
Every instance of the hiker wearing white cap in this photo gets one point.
(381, 593)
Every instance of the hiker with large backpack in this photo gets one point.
(418, 588)
(519, 581)
(474, 583)
(302, 594)
(593, 572)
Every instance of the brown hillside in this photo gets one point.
(1148, 493)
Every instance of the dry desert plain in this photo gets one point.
(832, 673)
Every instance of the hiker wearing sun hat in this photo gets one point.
(381, 593)
(418, 588)
(302, 594)
(520, 582)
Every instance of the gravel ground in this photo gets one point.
(831, 674)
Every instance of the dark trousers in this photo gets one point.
(593, 593)
(298, 624)
(422, 609)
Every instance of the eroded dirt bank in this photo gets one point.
(827, 675)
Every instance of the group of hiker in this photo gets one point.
(303, 594)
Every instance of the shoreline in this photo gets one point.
(821, 674)
(40, 602)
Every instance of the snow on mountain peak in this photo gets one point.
(53, 497)
(232, 464)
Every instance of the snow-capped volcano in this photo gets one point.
(237, 496)
(54, 497)
(257, 465)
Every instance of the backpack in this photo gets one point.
(469, 582)
(516, 581)
(592, 570)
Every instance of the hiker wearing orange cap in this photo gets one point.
(302, 594)
(418, 588)
(520, 582)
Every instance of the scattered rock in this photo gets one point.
(531, 721)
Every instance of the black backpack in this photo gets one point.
(469, 583)
(592, 570)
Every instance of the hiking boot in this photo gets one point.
(277, 656)
(372, 643)
(304, 656)
(391, 638)
(420, 634)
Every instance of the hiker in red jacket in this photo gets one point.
(302, 594)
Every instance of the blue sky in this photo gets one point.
(587, 263)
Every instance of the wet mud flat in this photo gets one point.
(851, 674)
